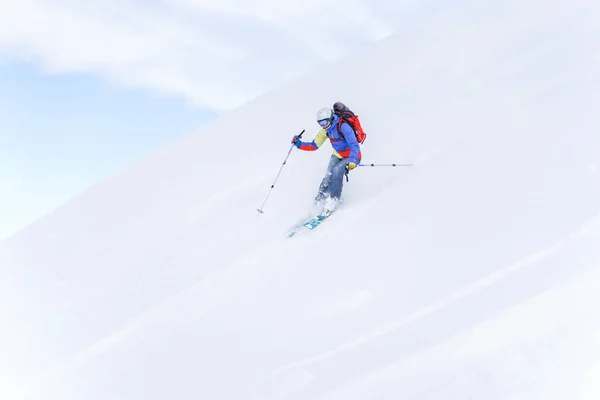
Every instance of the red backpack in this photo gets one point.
(346, 115)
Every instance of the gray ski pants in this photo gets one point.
(333, 181)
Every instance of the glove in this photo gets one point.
(350, 166)
(296, 141)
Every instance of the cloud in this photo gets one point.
(217, 53)
(222, 53)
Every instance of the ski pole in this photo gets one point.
(379, 165)
(385, 165)
(279, 173)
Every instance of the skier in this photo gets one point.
(345, 157)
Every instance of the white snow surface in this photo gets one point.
(474, 274)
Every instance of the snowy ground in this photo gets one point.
(473, 274)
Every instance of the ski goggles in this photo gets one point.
(324, 123)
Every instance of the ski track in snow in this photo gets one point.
(177, 310)
(445, 302)
(545, 323)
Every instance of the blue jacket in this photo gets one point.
(344, 145)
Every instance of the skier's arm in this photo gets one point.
(350, 137)
(318, 140)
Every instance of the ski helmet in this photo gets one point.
(325, 117)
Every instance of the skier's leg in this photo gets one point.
(337, 178)
(324, 187)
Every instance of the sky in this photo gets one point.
(473, 274)
(61, 134)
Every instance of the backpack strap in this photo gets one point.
(339, 127)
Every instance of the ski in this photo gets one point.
(310, 223)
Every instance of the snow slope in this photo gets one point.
(473, 274)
